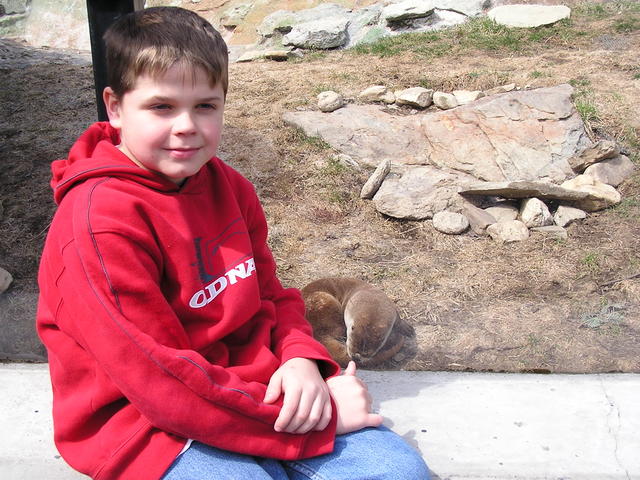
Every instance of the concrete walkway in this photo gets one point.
(467, 426)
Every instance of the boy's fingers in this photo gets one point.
(274, 389)
(326, 418)
(290, 407)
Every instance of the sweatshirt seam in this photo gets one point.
(98, 472)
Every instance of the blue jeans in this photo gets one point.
(368, 454)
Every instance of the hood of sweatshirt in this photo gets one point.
(95, 154)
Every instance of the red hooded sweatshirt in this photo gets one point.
(163, 317)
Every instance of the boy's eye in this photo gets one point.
(160, 106)
(206, 106)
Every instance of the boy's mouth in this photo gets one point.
(183, 152)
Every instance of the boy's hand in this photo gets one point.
(307, 404)
(352, 401)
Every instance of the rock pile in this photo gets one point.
(507, 163)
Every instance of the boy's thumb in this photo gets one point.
(351, 368)
(375, 420)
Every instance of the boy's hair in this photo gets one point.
(152, 40)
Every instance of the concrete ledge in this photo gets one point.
(467, 426)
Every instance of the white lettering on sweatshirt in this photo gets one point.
(215, 288)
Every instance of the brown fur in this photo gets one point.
(377, 332)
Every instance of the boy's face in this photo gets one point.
(170, 124)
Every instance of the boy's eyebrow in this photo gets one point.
(161, 98)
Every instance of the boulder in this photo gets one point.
(612, 171)
(600, 195)
(328, 101)
(597, 152)
(281, 22)
(444, 101)
(417, 97)
(451, 223)
(508, 232)
(534, 213)
(566, 215)
(519, 135)
(320, 34)
(372, 185)
(377, 93)
(528, 16)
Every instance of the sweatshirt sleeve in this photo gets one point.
(111, 286)
(292, 335)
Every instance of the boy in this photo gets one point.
(174, 351)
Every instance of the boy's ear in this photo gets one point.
(112, 104)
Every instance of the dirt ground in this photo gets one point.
(535, 306)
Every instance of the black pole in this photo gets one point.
(101, 14)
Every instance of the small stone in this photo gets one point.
(347, 161)
(417, 97)
(612, 171)
(329, 101)
(465, 96)
(565, 215)
(451, 223)
(479, 219)
(501, 89)
(5, 280)
(553, 231)
(372, 185)
(444, 101)
(508, 232)
(377, 93)
(504, 212)
(534, 213)
(597, 152)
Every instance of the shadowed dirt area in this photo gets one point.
(539, 305)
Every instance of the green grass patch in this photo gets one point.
(591, 262)
(627, 25)
(609, 315)
(628, 208)
(478, 33)
(315, 143)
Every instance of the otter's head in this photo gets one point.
(369, 317)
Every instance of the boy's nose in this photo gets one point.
(184, 124)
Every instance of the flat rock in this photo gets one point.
(419, 192)
(518, 135)
(451, 223)
(612, 171)
(508, 232)
(365, 132)
(553, 231)
(528, 16)
(597, 152)
(251, 55)
(407, 10)
(525, 190)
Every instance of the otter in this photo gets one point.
(354, 320)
